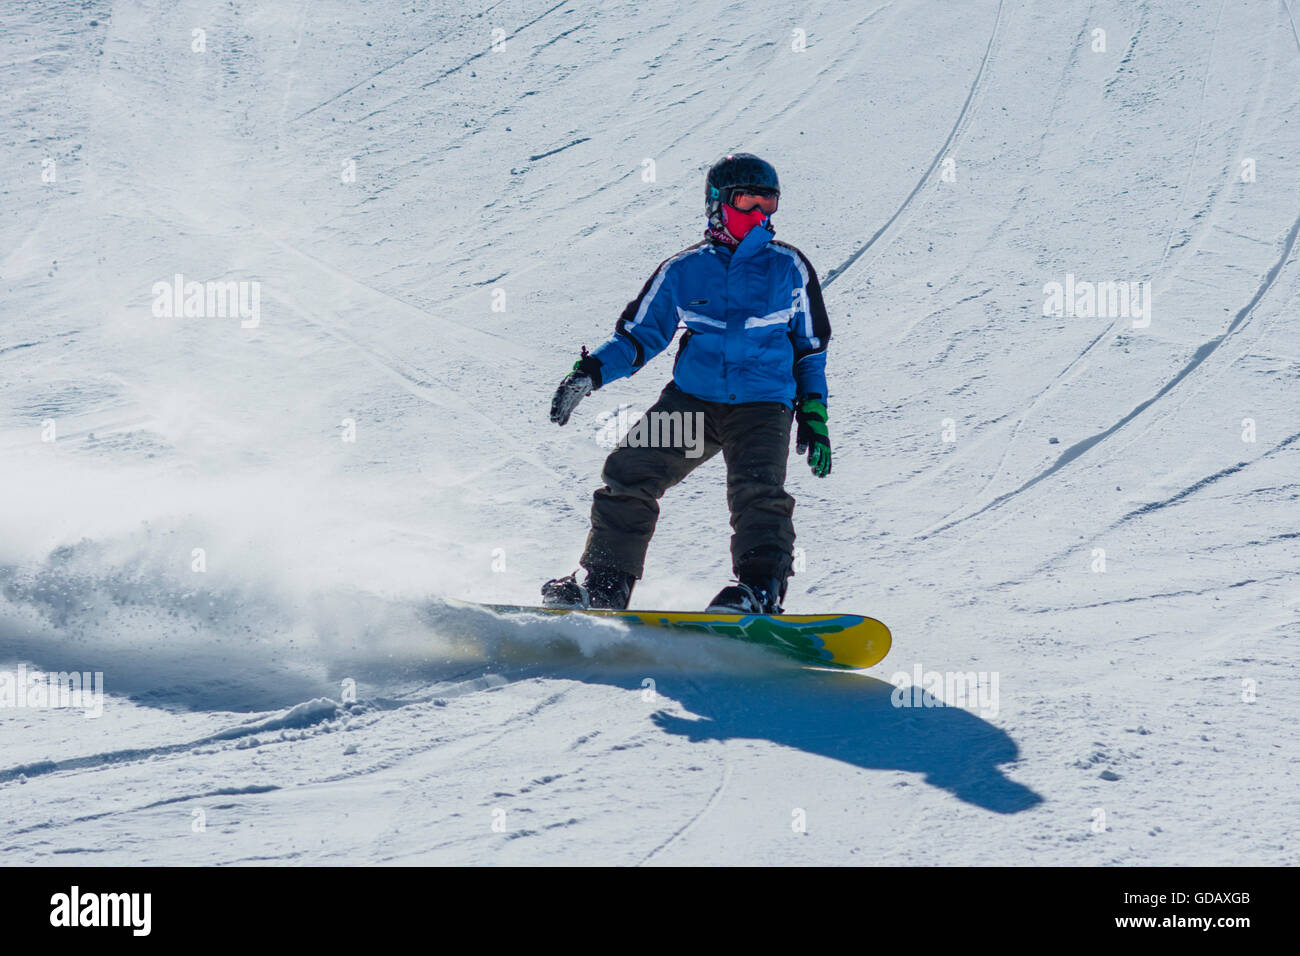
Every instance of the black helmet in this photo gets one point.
(731, 172)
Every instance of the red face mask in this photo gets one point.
(740, 223)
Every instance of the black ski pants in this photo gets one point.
(754, 439)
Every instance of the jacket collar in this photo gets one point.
(757, 238)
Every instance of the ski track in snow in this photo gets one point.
(1201, 354)
(1190, 247)
(709, 805)
(834, 273)
(428, 46)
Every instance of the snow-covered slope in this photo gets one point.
(439, 206)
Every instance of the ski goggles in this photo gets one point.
(749, 198)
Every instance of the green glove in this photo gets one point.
(812, 436)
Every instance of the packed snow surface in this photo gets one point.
(262, 527)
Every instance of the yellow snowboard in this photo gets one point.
(829, 640)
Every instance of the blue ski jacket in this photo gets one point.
(755, 324)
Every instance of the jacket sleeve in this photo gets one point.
(810, 331)
(644, 329)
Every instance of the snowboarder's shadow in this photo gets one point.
(853, 718)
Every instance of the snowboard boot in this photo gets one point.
(609, 588)
(604, 589)
(565, 592)
(750, 596)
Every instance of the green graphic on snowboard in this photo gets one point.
(804, 639)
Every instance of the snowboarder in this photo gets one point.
(751, 359)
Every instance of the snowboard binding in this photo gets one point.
(749, 597)
(604, 589)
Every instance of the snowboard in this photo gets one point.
(827, 640)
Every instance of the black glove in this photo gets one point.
(577, 385)
(811, 435)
